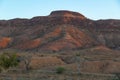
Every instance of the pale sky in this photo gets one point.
(93, 9)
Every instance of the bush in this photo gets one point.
(60, 70)
(77, 54)
(117, 76)
(8, 60)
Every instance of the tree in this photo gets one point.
(8, 60)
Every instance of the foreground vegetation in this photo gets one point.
(43, 75)
(87, 64)
(8, 60)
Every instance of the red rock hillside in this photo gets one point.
(61, 30)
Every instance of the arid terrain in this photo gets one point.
(87, 49)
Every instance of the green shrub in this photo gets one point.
(60, 70)
(77, 54)
(117, 76)
(8, 60)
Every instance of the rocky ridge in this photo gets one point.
(59, 31)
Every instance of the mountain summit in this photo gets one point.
(59, 31)
(64, 13)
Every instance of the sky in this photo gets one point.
(92, 9)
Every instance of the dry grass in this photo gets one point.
(54, 76)
(93, 60)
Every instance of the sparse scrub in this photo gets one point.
(8, 60)
(78, 54)
(60, 70)
(117, 76)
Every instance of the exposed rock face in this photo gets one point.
(4, 42)
(101, 67)
(38, 62)
(66, 14)
(108, 31)
(61, 30)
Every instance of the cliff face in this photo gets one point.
(61, 30)
(108, 33)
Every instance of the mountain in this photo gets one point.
(59, 31)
